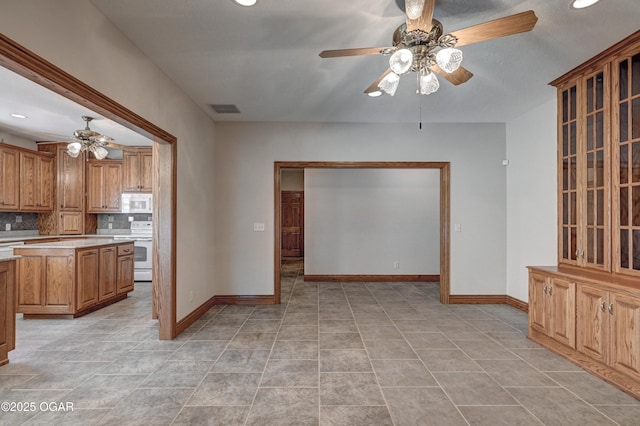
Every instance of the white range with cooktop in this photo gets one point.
(142, 234)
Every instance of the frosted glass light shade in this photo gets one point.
(389, 83)
(400, 62)
(74, 148)
(428, 82)
(581, 4)
(100, 153)
(449, 59)
(414, 8)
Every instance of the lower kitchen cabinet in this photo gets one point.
(605, 322)
(72, 277)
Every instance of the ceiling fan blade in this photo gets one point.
(374, 86)
(422, 22)
(459, 76)
(352, 52)
(514, 24)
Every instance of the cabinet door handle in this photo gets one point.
(545, 289)
(611, 308)
(550, 290)
(602, 306)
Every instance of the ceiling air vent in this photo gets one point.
(225, 108)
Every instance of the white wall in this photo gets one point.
(244, 159)
(361, 221)
(76, 37)
(17, 141)
(292, 180)
(531, 194)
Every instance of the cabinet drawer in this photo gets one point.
(125, 250)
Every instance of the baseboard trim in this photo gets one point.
(488, 299)
(518, 304)
(372, 278)
(244, 300)
(185, 322)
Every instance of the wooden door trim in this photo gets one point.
(26, 63)
(445, 189)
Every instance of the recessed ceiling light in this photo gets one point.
(375, 93)
(14, 115)
(245, 2)
(581, 4)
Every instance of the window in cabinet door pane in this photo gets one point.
(600, 168)
(565, 174)
(600, 247)
(565, 106)
(624, 164)
(565, 209)
(635, 202)
(635, 74)
(590, 94)
(591, 178)
(590, 245)
(600, 205)
(635, 117)
(599, 129)
(624, 122)
(574, 243)
(624, 248)
(590, 208)
(599, 90)
(573, 209)
(572, 99)
(590, 132)
(635, 162)
(624, 206)
(636, 250)
(572, 173)
(565, 140)
(624, 77)
(572, 138)
(565, 243)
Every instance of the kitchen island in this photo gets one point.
(7, 308)
(70, 278)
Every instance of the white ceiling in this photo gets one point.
(265, 60)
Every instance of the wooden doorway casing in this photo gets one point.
(24, 62)
(445, 186)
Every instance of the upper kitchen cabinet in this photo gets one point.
(104, 186)
(599, 162)
(36, 181)
(136, 170)
(9, 179)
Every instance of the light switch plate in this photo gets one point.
(457, 227)
(7, 227)
(258, 227)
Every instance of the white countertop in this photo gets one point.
(75, 244)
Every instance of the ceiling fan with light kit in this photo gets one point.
(420, 45)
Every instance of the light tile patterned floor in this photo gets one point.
(331, 354)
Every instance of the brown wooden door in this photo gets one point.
(107, 280)
(70, 181)
(28, 181)
(538, 301)
(624, 316)
(44, 194)
(125, 274)
(88, 264)
(292, 224)
(9, 180)
(562, 298)
(592, 322)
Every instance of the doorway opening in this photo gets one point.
(444, 237)
(24, 62)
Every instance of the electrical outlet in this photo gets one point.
(258, 227)
(110, 225)
(130, 218)
(396, 265)
(18, 219)
(110, 218)
(7, 227)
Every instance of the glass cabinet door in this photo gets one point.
(593, 151)
(568, 202)
(626, 134)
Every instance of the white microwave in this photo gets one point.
(135, 202)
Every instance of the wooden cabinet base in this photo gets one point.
(77, 314)
(606, 373)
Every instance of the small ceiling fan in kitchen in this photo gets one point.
(420, 45)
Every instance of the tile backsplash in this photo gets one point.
(19, 221)
(119, 221)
